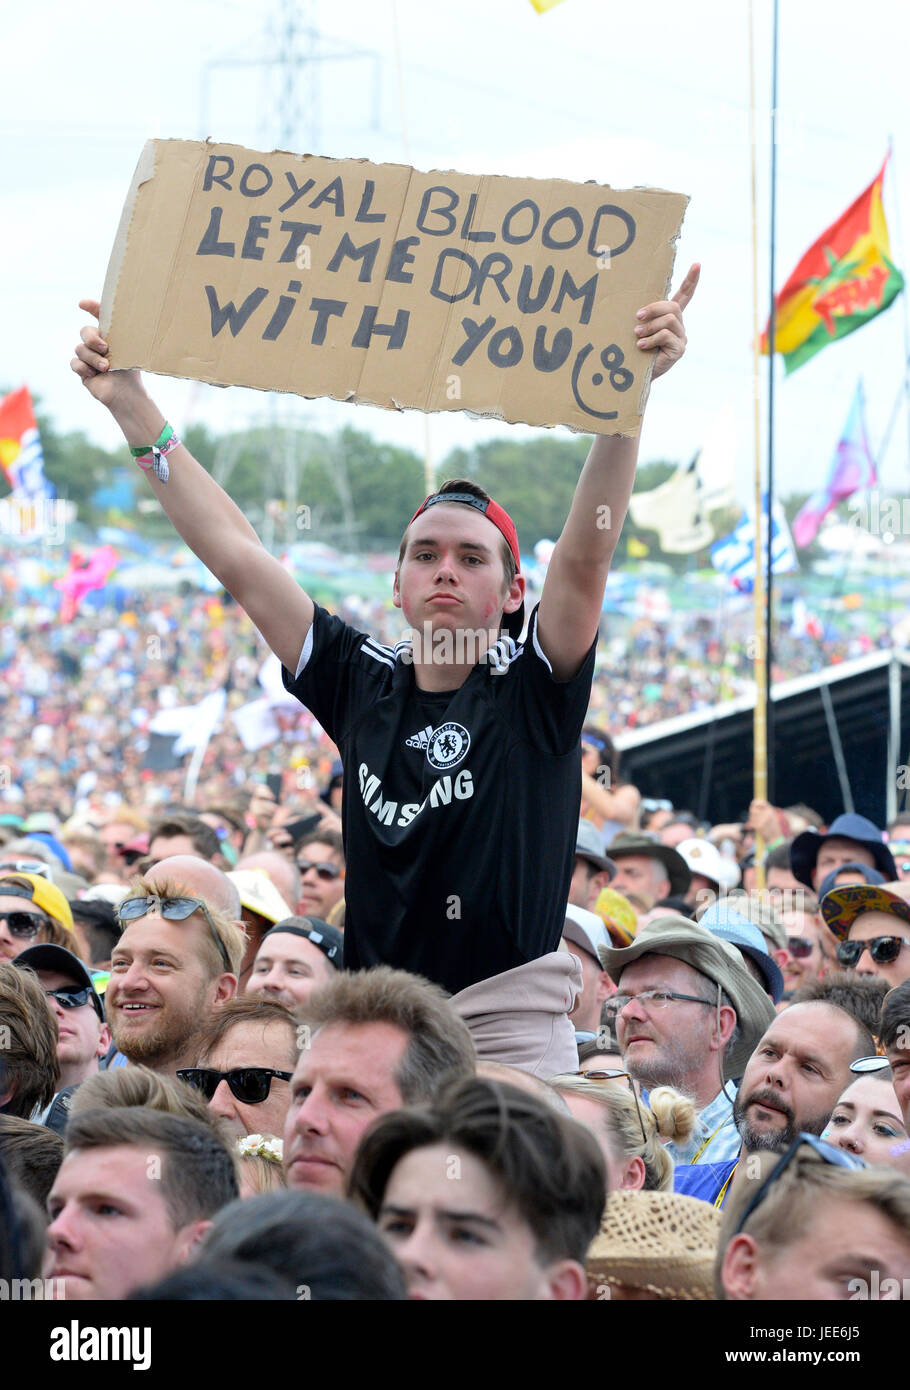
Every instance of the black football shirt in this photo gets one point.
(460, 809)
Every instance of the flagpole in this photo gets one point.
(759, 725)
(769, 591)
(905, 310)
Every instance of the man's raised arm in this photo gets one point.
(573, 592)
(212, 525)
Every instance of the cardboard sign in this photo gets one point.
(511, 298)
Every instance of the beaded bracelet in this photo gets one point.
(152, 456)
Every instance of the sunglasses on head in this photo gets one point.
(612, 1074)
(172, 910)
(249, 1085)
(882, 949)
(24, 925)
(838, 1158)
(35, 867)
(323, 870)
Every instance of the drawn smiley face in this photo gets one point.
(614, 373)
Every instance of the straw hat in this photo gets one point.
(661, 1243)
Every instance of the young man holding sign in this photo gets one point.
(460, 750)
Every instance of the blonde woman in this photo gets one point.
(631, 1138)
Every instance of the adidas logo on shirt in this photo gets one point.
(421, 739)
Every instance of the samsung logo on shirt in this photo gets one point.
(444, 789)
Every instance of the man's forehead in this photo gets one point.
(55, 979)
(254, 1042)
(801, 1026)
(653, 969)
(342, 1045)
(880, 923)
(288, 947)
(636, 861)
(144, 932)
(454, 520)
(118, 1164)
(840, 844)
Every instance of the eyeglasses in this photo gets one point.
(326, 871)
(838, 1158)
(173, 910)
(882, 949)
(24, 925)
(800, 947)
(613, 1075)
(70, 998)
(650, 999)
(249, 1085)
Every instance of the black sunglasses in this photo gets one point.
(249, 1085)
(882, 949)
(323, 870)
(71, 998)
(838, 1158)
(800, 947)
(173, 910)
(24, 925)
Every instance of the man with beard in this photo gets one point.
(790, 1086)
(688, 1015)
(177, 959)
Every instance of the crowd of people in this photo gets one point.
(426, 1005)
(712, 1060)
(79, 697)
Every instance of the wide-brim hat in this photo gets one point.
(663, 1243)
(841, 907)
(588, 845)
(729, 925)
(706, 953)
(805, 848)
(678, 871)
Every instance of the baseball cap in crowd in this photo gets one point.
(697, 946)
(729, 925)
(706, 859)
(328, 938)
(805, 848)
(63, 962)
(830, 880)
(841, 907)
(259, 894)
(512, 622)
(633, 842)
(589, 845)
(44, 894)
(585, 930)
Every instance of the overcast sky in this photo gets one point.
(652, 94)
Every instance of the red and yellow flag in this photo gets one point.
(843, 281)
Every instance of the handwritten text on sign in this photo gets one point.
(507, 297)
